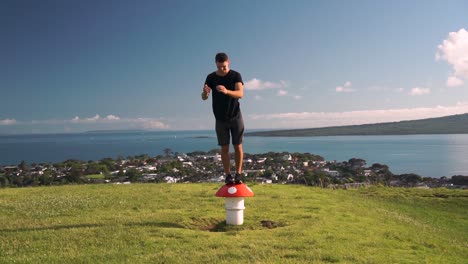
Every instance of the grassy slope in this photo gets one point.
(156, 223)
(455, 124)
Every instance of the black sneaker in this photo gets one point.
(238, 178)
(229, 179)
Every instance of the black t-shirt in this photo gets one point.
(225, 108)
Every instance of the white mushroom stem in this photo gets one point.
(235, 210)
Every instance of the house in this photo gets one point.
(331, 173)
(187, 163)
(169, 179)
(421, 186)
(149, 177)
(274, 177)
(254, 171)
(150, 168)
(264, 180)
(217, 179)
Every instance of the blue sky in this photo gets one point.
(73, 66)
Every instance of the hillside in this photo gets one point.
(171, 223)
(455, 124)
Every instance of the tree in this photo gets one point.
(411, 178)
(167, 152)
(46, 178)
(109, 163)
(133, 175)
(356, 163)
(93, 168)
(316, 178)
(459, 180)
(23, 166)
(4, 181)
(75, 173)
(268, 173)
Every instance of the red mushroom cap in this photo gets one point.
(234, 190)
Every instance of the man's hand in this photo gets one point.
(206, 92)
(222, 89)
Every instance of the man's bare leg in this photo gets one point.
(238, 157)
(226, 159)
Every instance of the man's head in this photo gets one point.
(222, 63)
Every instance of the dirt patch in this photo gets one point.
(217, 225)
(269, 224)
(206, 224)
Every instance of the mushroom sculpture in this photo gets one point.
(234, 199)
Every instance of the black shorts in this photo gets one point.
(224, 129)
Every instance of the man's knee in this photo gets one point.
(225, 149)
(238, 148)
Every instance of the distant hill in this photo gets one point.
(455, 124)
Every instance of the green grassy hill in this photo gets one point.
(455, 124)
(184, 223)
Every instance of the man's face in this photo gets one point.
(223, 67)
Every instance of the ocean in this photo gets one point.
(426, 155)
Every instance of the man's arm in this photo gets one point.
(206, 92)
(238, 93)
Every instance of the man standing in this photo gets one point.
(227, 88)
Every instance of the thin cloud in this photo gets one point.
(419, 91)
(149, 123)
(322, 119)
(454, 50)
(377, 88)
(257, 85)
(346, 88)
(7, 122)
(112, 117)
(109, 120)
(94, 119)
(453, 81)
(282, 93)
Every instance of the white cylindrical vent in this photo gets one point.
(235, 210)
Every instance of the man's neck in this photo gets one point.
(220, 73)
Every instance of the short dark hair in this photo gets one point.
(221, 57)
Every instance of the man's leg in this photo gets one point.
(226, 159)
(239, 157)
(222, 132)
(237, 137)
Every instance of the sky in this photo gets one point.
(74, 66)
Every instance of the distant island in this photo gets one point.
(116, 131)
(454, 124)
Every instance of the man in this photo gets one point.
(227, 88)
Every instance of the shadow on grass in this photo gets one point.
(205, 224)
(157, 224)
(64, 227)
(57, 227)
(221, 226)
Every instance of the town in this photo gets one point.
(199, 166)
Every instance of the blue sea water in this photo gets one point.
(426, 155)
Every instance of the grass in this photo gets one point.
(184, 223)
